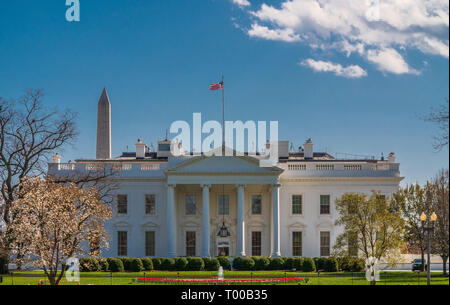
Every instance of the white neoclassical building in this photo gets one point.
(197, 205)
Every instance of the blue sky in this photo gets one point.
(157, 58)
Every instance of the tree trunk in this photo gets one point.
(373, 283)
(4, 262)
(444, 264)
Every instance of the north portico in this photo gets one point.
(223, 186)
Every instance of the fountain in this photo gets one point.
(220, 274)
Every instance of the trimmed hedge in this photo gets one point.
(211, 264)
(224, 261)
(181, 263)
(115, 264)
(243, 263)
(261, 262)
(135, 265)
(331, 265)
(103, 263)
(156, 263)
(195, 264)
(168, 264)
(291, 263)
(308, 265)
(276, 263)
(352, 264)
(147, 263)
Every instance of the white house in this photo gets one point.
(195, 205)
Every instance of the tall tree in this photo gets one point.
(29, 133)
(55, 221)
(441, 208)
(439, 116)
(374, 221)
(415, 201)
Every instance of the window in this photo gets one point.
(256, 205)
(122, 204)
(324, 243)
(256, 243)
(296, 243)
(191, 205)
(297, 204)
(224, 207)
(324, 204)
(150, 205)
(122, 243)
(150, 243)
(190, 243)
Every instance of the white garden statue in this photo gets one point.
(220, 274)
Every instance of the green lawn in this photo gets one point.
(130, 278)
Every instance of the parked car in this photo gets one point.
(417, 264)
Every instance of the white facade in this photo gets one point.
(172, 184)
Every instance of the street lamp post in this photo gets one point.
(428, 227)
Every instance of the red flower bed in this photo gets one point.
(215, 280)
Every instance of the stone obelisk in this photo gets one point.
(104, 127)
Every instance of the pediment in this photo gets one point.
(222, 164)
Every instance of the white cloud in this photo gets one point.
(373, 29)
(273, 34)
(241, 3)
(352, 71)
(389, 60)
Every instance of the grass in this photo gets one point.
(313, 278)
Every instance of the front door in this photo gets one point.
(223, 251)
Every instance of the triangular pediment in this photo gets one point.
(222, 164)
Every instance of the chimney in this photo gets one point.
(391, 157)
(104, 127)
(140, 149)
(308, 147)
(56, 158)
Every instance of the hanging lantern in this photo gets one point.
(223, 231)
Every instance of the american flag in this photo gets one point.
(216, 86)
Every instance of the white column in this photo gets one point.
(171, 242)
(205, 221)
(276, 220)
(240, 221)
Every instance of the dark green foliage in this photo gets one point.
(331, 265)
(308, 265)
(276, 263)
(147, 263)
(181, 263)
(261, 262)
(243, 263)
(115, 264)
(103, 263)
(168, 264)
(89, 264)
(135, 265)
(224, 262)
(156, 263)
(195, 264)
(349, 263)
(211, 264)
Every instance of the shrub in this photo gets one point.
(358, 264)
(195, 264)
(320, 263)
(115, 264)
(308, 265)
(224, 261)
(293, 263)
(261, 262)
(349, 263)
(126, 262)
(104, 266)
(156, 263)
(243, 263)
(181, 263)
(135, 265)
(167, 264)
(89, 264)
(147, 263)
(276, 263)
(331, 265)
(211, 264)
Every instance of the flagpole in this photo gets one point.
(223, 117)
